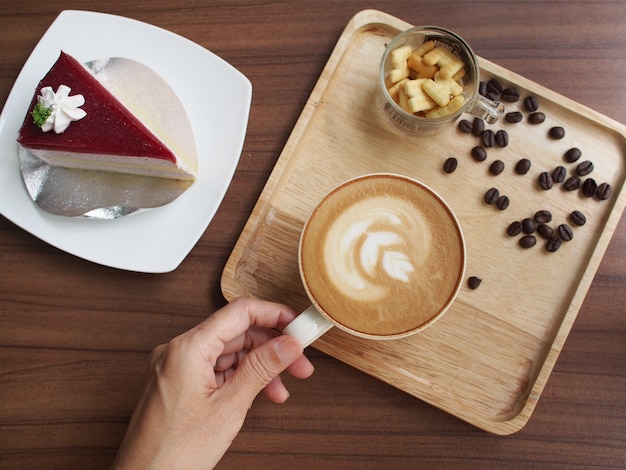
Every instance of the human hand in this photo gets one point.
(201, 384)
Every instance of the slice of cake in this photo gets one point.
(73, 121)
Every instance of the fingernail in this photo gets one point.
(288, 349)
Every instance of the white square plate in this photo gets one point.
(217, 99)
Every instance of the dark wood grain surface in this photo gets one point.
(75, 336)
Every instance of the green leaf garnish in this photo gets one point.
(40, 114)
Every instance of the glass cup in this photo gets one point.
(474, 104)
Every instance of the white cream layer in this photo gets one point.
(134, 165)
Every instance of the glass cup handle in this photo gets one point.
(308, 326)
(486, 109)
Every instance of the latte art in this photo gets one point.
(381, 256)
(367, 246)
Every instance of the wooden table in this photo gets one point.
(75, 336)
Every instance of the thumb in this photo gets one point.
(263, 364)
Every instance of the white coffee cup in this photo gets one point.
(381, 256)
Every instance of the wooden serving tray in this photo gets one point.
(488, 359)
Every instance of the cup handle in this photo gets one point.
(486, 109)
(308, 326)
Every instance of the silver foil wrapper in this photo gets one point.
(109, 195)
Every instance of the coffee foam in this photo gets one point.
(381, 255)
(366, 244)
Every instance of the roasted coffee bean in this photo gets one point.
(450, 165)
(514, 229)
(604, 191)
(482, 88)
(536, 118)
(513, 117)
(543, 217)
(522, 167)
(494, 87)
(565, 232)
(531, 104)
(553, 244)
(559, 174)
(545, 180)
(584, 168)
(479, 154)
(572, 183)
(496, 167)
(510, 94)
(578, 218)
(590, 187)
(545, 231)
(528, 241)
(492, 195)
(473, 282)
(502, 138)
(465, 126)
(572, 155)
(528, 226)
(502, 203)
(478, 126)
(488, 138)
(556, 132)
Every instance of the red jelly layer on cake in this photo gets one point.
(109, 128)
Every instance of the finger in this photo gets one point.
(262, 365)
(244, 313)
(302, 368)
(276, 391)
(228, 361)
(235, 319)
(235, 350)
(250, 339)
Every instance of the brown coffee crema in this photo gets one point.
(382, 255)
